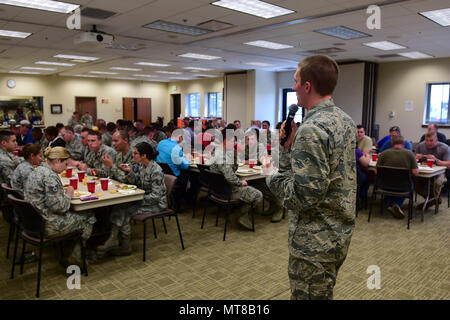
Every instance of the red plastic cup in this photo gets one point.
(91, 186)
(374, 157)
(16, 153)
(69, 172)
(104, 182)
(430, 163)
(81, 175)
(74, 183)
(251, 164)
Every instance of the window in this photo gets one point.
(213, 105)
(290, 97)
(438, 95)
(192, 106)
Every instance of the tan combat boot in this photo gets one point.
(112, 242)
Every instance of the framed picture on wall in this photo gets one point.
(56, 108)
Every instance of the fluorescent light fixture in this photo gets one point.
(66, 56)
(169, 72)
(47, 5)
(180, 78)
(24, 72)
(14, 34)
(441, 16)
(198, 56)
(254, 7)
(197, 69)
(36, 68)
(152, 64)
(86, 75)
(56, 63)
(125, 69)
(123, 78)
(384, 45)
(415, 55)
(342, 32)
(207, 75)
(144, 75)
(259, 64)
(103, 72)
(176, 28)
(268, 45)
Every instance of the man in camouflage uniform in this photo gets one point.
(45, 191)
(225, 163)
(87, 120)
(124, 155)
(73, 144)
(145, 137)
(107, 135)
(319, 188)
(93, 162)
(33, 158)
(8, 161)
(74, 120)
(147, 175)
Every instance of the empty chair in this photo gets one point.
(8, 213)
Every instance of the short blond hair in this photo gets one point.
(322, 71)
(56, 153)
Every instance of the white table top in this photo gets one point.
(424, 171)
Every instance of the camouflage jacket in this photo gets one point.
(75, 148)
(43, 142)
(225, 163)
(88, 121)
(320, 187)
(117, 173)
(159, 135)
(107, 139)
(94, 160)
(151, 180)
(20, 175)
(142, 139)
(45, 191)
(8, 162)
(73, 122)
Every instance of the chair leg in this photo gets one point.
(16, 242)
(10, 238)
(381, 204)
(154, 228)
(217, 218)
(145, 240)
(226, 223)
(410, 210)
(83, 256)
(41, 246)
(203, 219)
(374, 198)
(194, 202)
(22, 257)
(164, 224)
(179, 231)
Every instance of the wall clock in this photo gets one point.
(11, 83)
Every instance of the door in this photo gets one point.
(176, 102)
(128, 109)
(83, 104)
(144, 110)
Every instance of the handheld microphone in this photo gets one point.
(287, 128)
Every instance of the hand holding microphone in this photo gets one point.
(287, 126)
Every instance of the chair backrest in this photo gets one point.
(217, 184)
(394, 179)
(166, 168)
(16, 193)
(30, 218)
(169, 181)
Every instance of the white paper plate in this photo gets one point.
(244, 170)
(80, 194)
(126, 192)
(128, 187)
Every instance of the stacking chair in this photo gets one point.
(396, 182)
(219, 193)
(31, 228)
(169, 181)
(8, 214)
(203, 185)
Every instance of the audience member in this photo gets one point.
(54, 140)
(32, 154)
(433, 127)
(394, 131)
(364, 142)
(73, 144)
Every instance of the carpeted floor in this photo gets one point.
(414, 263)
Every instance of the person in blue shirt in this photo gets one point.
(25, 133)
(394, 131)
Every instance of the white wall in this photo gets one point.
(399, 82)
(285, 80)
(63, 90)
(236, 98)
(265, 96)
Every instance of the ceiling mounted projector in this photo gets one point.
(93, 39)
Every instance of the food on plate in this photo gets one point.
(112, 191)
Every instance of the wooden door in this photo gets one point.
(144, 110)
(128, 109)
(84, 104)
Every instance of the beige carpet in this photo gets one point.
(414, 263)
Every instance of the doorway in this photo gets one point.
(86, 104)
(137, 109)
(176, 103)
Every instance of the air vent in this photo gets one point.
(126, 47)
(326, 50)
(387, 56)
(214, 25)
(96, 13)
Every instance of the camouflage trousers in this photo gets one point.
(121, 214)
(311, 280)
(71, 221)
(268, 195)
(249, 195)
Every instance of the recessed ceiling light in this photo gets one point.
(14, 34)
(198, 56)
(47, 5)
(441, 16)
(152, 64)
(197, 68)
(144, 75)
(36, 68)
(415, 55)
(259, 64)
(56, 63)
(254, 7)
(24, 72)
(176, 28)
(169, 72)
(86, 75)
(384, 45)
(268, 45)
(65, 56)
(342, 32)
(102, 72)
(125, 69)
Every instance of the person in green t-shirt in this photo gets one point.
(364, 142)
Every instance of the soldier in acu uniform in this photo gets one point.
(93, 161)
(124, 155)
(33, 157)
(319, 188)
(45, 191)
(8, 161)
(147, 175)
(73, 143)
